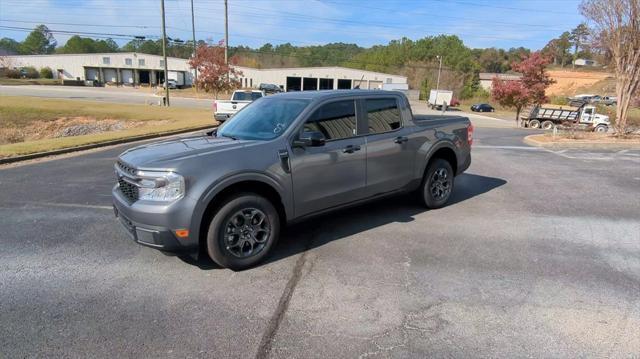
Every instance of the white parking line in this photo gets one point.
(66, 205)
(524, 148)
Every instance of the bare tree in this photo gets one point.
(618, 22)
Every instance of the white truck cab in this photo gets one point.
(588, 116)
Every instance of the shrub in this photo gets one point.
(558, 100)
(12, 73)
(30, 72)
(46, 73)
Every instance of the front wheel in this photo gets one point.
(600, 128)
(243, 231)
(437, 184)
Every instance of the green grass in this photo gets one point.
(16, 82)
(17, 112)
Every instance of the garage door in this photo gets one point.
(127, 76)
(92, 74)
(375, 85)
(110, 75)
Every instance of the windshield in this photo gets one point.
(264, 119)
(246, 96)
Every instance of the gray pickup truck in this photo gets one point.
(282, 159)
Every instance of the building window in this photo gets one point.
(161, 63)
(250, 82)
(140, 62)
(106, 60)
(128, 62)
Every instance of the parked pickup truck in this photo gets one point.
(282, 159)
(224, 109)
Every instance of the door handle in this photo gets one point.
(401, 139)
(351, 149)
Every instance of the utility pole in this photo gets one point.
(439, 70)
(226, 33)
(164, 55)
(195, 46)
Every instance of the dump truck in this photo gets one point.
(584, 115)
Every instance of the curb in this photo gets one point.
(530, 140)
(98, 145)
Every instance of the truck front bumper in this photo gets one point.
(155, 225)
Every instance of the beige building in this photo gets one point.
(486, 78)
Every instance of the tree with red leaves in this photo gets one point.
(214, 75)
(534, 76)
(529, 89)
(511, 94)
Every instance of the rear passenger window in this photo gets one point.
(383, 115)
(334, 120)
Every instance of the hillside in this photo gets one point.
(570, 82)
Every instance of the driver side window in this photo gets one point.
(335, 120)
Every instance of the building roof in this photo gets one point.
(491, 76)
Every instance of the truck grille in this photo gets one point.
(128, 169)
(129, 191)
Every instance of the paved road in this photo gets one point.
(117, 95)
(537, 255)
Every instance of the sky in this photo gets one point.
(479, 23)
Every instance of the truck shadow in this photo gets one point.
(309, 234)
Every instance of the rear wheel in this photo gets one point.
(243, 231)
(547, 125)
(534, 124)
(437, 184)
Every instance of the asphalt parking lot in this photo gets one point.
(537, 255)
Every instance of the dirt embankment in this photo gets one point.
(68, 126)
(569, 82)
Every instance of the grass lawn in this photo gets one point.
(29, 125)
(13, 82)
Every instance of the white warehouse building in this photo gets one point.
(122, 68)
(318, 78)
(130, 68)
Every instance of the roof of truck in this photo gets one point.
(330, 93)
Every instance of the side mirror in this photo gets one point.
(310, 139)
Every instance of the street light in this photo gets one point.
(439, 70)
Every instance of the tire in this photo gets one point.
(233, 236)
(547, 125)
(434, 195)
(601, 129)
(534, 124)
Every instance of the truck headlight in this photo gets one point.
(160, 186)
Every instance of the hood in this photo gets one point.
(160, 154)
(602, 118)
